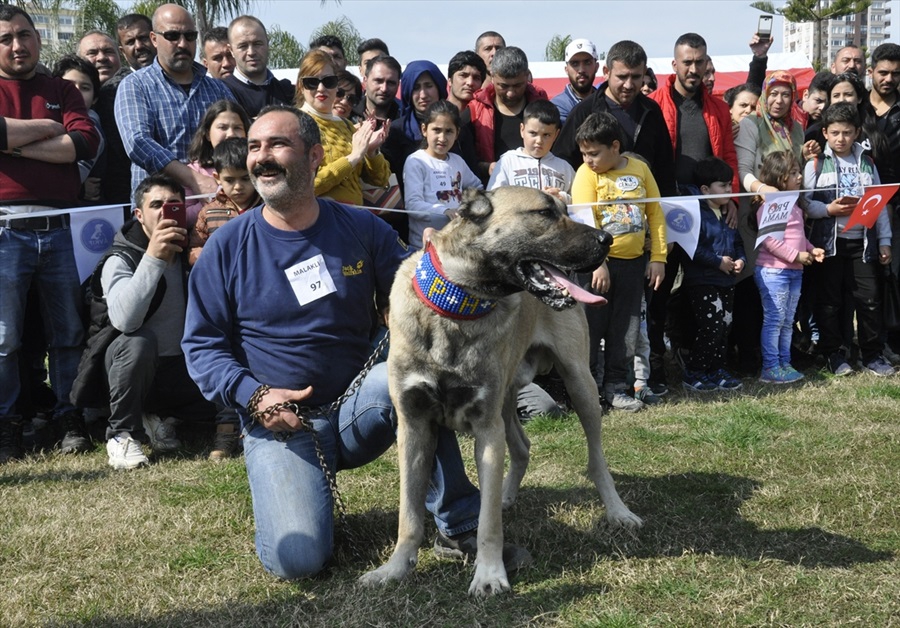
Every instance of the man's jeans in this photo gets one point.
(779, 290)
(47, 259)
(292, 502)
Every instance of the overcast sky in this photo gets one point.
(437, 29)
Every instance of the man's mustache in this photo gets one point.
(267, 167)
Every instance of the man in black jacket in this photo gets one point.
(252, 83)
(645, 128)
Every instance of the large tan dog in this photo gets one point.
(464, 339)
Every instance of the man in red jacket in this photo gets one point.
(699, 124)
(494, 116)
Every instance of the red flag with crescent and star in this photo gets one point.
(870, 205)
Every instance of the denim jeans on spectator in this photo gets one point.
(46, 259)
(779, 290)
(292, 503)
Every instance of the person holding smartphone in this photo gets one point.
(142, 284)
(850, 275)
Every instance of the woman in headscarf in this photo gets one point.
(421, 84)
(772, 128)
(350, 154)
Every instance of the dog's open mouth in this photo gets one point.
(551, 286)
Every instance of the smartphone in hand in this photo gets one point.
(764, 28)
(176, 212)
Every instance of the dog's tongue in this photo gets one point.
(576, 292)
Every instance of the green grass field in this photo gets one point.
(769, 507)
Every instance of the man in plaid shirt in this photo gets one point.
(158, 108)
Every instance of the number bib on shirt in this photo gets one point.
(310, 280)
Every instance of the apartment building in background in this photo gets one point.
(866, 30)
(56, 28)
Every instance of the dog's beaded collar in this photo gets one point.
(442, 295)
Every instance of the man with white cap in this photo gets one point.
(581, 68)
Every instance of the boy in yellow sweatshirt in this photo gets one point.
(608, 175)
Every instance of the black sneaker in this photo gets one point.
(75, 438)
(11, 439)
(838, 365)
(464, 547)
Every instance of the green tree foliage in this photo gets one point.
(556, 48)
(207, 13)
(98, 14)
(284, 49)
(818, 13)
(147, 7)
(344, 30)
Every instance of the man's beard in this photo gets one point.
(279, 195)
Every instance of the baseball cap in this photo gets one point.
(580, 45)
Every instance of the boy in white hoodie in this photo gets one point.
(533, 165)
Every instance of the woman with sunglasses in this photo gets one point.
(351, 154)
(349, 95)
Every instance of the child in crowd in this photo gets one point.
(222, 120)
(86, 78)
(533, 165)
(779, 272)
(608, 175)
(851, 268)
(433, 177)
(236, 193)
(709, 280)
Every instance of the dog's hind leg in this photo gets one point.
(583, 392)
(416, 443)
(519, 451)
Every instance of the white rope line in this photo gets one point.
(76, 210)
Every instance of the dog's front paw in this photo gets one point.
(390, 571)
(489, 581)
(624, 518)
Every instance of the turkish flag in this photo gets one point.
(870, 205)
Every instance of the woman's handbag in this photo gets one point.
(382, 197)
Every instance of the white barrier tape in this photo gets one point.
(73, 210)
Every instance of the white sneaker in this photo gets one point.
(125, 453)
(161, 433)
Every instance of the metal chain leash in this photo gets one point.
(306, 415)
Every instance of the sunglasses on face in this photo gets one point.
(343, 94)
(174, 36)
(312, 82)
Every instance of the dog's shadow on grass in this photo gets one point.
(696, 513)
(690, 513)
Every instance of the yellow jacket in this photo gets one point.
(337, 178)
(627, 222)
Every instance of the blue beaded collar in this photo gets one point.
(443, 296)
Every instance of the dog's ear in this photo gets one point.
(560, 205)
(475, 206)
